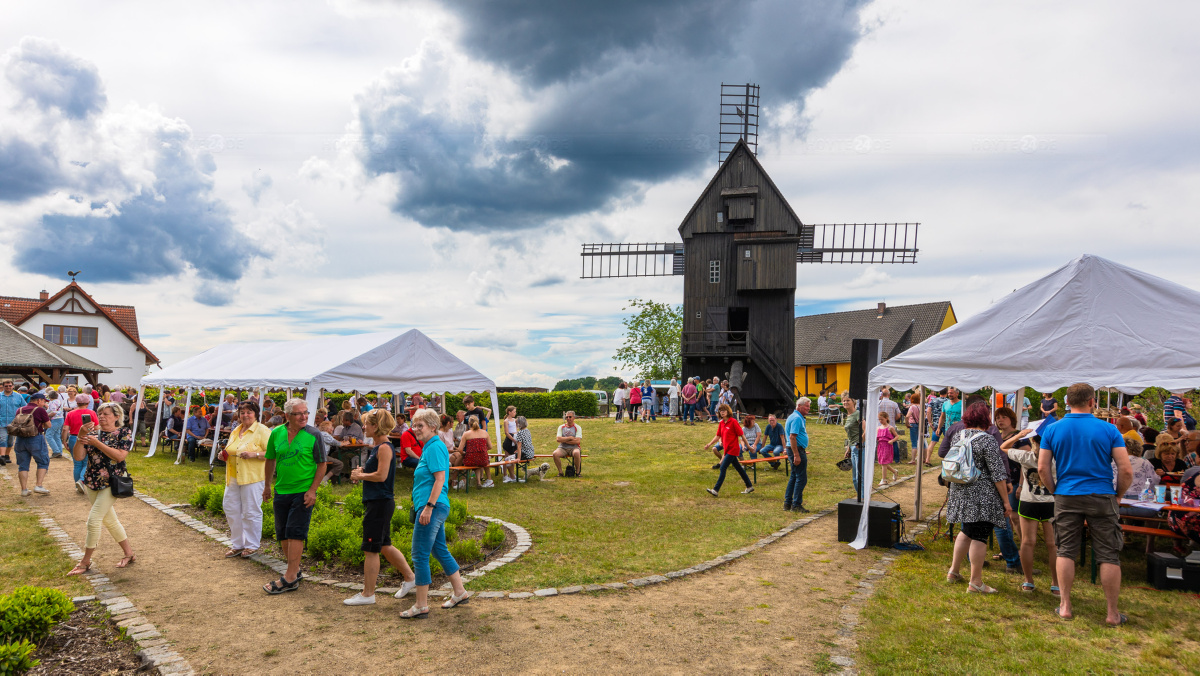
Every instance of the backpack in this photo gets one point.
(22, 426)
(958, 467)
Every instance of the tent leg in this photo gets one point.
(496, 418)
(187, 410)
(157, 423)
(312, 399)
(212, 456)
(262, 397)
(919, 451)
(136, 407)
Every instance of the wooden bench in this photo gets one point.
(754, 462)
(1151, 533)
(504, 463)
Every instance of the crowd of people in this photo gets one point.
(696, 399)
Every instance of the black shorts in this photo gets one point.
(291, 516)
(1102, 516)
(1036, 511)
(978, 531)
(377, 524)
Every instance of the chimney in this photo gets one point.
(44, 295)
(882, 307)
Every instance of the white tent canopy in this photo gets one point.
(368, 362)
(1091, 321)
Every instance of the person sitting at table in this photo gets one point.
(474, 451)
(175, 424)
(409, 449)
(446, 431)
(1184, 523)
(460, 428)
(753, 433)
(196, 430)
(1189, 448)
(1175, 429)
(1126, 426)
(348, 407)
(1143, 469)
(1167, 460)
(348, 430)
(333, 470)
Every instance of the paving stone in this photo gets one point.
(140, 628)
(152, 642)
(675, 574)
(153, 633)
(355, 587)
(176, 669)
(639, 582)
(329, 581)
(83, 599)
(120, 608)
(595, 587)
(519, 595)
(874, 571)
(386, 590)
(344, 585)
(546, 592)
(106, 587)
(439, 592)
(656, 579)
(136, 620)
(571, 590)
(124, 616)
(105, 595)
(490, 595)
(115, 600)
(842, 661)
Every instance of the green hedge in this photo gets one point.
(534, 404)
(29, 613)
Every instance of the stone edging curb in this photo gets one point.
(846, 640)
(154, 650)
(524, 541)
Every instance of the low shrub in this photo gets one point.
(352, 504)
(466, 551)
(350, 551)
(325, 495)
(458, 512)
(268, 524)
(451, 532)
(400, 517)
(216, 500)
(325, 538)
(494, 537)
(17, 658)
(199, 496)
(30, 612)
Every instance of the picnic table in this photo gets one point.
(1152, 532)
(348, 449)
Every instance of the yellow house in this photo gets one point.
(823, 341)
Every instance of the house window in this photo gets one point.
(714, 272)
(80, 336)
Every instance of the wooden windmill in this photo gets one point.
(741, 243)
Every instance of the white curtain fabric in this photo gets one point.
(157, 424)
(1091, 321)
(212, 454)
(187, 411)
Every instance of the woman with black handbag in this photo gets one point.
(105, 480)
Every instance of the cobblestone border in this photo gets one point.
(155, 651)
(846, 639)
(524, 541)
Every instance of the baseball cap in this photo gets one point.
(36, 395)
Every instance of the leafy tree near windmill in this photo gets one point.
(652, 340)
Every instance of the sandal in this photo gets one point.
(1061, 616)
(127, 561)
(81, 569)
(281, 585)
(1124, 619)
(1055, 590)
(981, 589)
(953, 577)
(230, 553)
(415, 613)
(247, 553)
(1027, 586)
(455, 600)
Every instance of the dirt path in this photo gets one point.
(775, 610)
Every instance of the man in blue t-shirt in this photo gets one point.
(10, 402)
(797, 445)
(1083, 449)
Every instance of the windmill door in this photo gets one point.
(716, 326)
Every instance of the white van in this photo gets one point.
(601, 401)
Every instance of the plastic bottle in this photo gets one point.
(1147, 494)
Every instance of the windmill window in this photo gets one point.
(714, 272)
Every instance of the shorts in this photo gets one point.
(32, 447)
(377, 524)
(1103, 521)
(4, 438)
(978, 531)
(291, 516)
(1036, 511)
(569, 450)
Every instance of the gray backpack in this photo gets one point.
(958, 467)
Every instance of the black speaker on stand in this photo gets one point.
(865, 354)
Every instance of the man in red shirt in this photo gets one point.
(76, 418)
(410, 449)
(731, 436)
(34, 447)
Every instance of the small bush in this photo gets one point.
(458, 512)
(17, 658)
(325, 495)
(494, 537)
(350, 551)
(325, 538)
(466, 551)
(30, 613)
(352, 504)
(451, 532)
(402, 540)
(400, 517)
(216, 500)
(199, 496)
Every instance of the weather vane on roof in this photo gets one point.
(72, 274)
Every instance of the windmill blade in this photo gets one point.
(858, 243)
(649, 259)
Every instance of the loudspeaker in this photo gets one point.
(883, 522)
(865, 354)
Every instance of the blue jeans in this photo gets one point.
(1004, 538)
(431, 539)
(54, 436)
(914, 436)
(793, 495)
(80, 465)
(32, 448)
(854, 471)
(689, 413)
(726, 461)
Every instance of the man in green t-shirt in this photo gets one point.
(296, 459)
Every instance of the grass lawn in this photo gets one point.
(28, 556)
(640, 507)
(917, 623)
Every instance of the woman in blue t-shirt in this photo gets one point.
(378, 475)
(430, 499)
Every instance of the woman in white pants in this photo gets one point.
(245, 459)
(105, 451)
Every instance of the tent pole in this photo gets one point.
(157, 422)
(289, 394)
(313, 399)
(261, 398)
(919, 451)
(136, 406)
(496, 417)
(212, 456)
(187, 410)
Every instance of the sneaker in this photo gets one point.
(462, 483)
(54, 456)
(508, 480)
(79, 488)
(717, 466)
(41, 490)
(800, 509)
(405, 588)
(749, 489)
(489, 484)
(881, 482)
(25, 493)
(711, 492)
(787, 506)
(360, 600)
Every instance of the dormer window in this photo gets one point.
(739, 205)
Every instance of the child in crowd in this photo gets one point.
(884, 448)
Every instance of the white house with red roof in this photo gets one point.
(105, 334)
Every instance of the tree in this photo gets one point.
(652, 339)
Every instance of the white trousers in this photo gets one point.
(243, 512)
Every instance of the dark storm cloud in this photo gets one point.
(630, 96)
(49, 76)
(25, 170)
